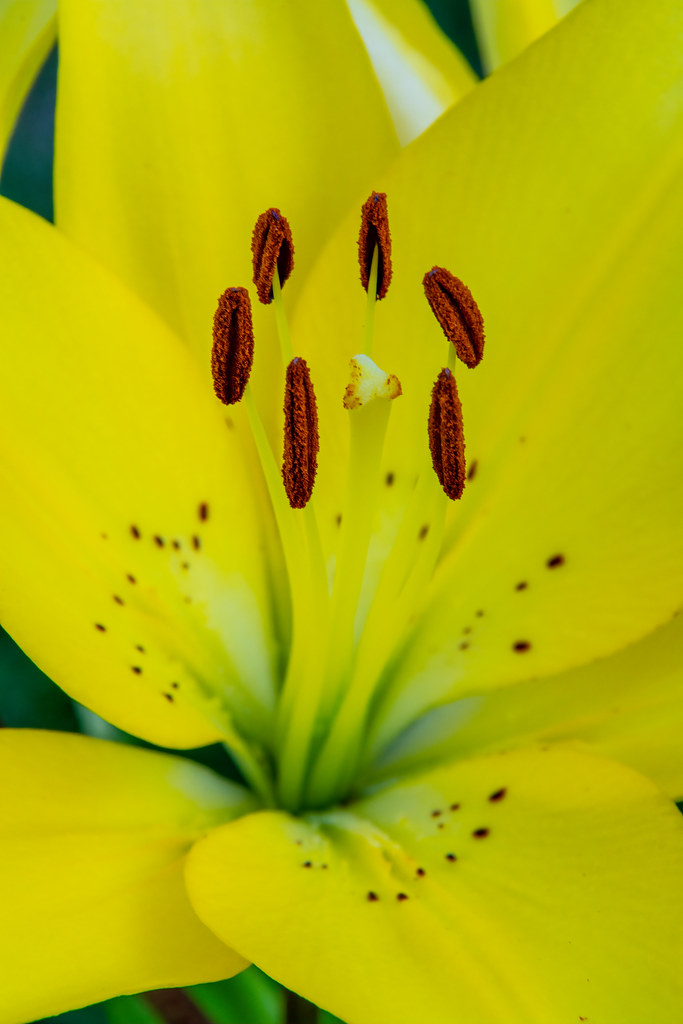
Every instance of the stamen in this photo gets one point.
(299, 461)
(272, 248)
(233, 345)
(446, 437)
(374, 232)
(454, 307)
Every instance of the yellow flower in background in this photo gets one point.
(506, 27)
(447, 816)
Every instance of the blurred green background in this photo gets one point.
(29, 699)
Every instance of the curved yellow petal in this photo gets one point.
(421, 72)
(130, 562)
(522, 888)
(93, 839)
(506, 27)
(628, 706)
(28, 29)
(574, 255)
(178, 124)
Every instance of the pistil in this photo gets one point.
(368, 399)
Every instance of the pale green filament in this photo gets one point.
(290, 531)
(369, 328)
(281, 321)
(302, 690)
(368, 427)
(254, 767)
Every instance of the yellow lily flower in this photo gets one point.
(447, 815)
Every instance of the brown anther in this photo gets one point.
(272, 248)
(233, 345)
(454, 307)
(374, 231)
(300, 456)
(446, 437)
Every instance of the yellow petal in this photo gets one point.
(93, 841)
(628, 706)
(28, 29)
(130, 563)
(541, 886)
(421, 72)
(179, 124)
(506, 27)
(574, 256)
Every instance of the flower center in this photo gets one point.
(339, 652)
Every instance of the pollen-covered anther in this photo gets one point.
(374, 231)
(446, 437)
(300, 456)
(368, 382)
(272, 248)
(233, 345)
(454, 307)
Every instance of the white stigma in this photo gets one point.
(368, 382)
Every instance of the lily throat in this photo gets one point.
(353, 603)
